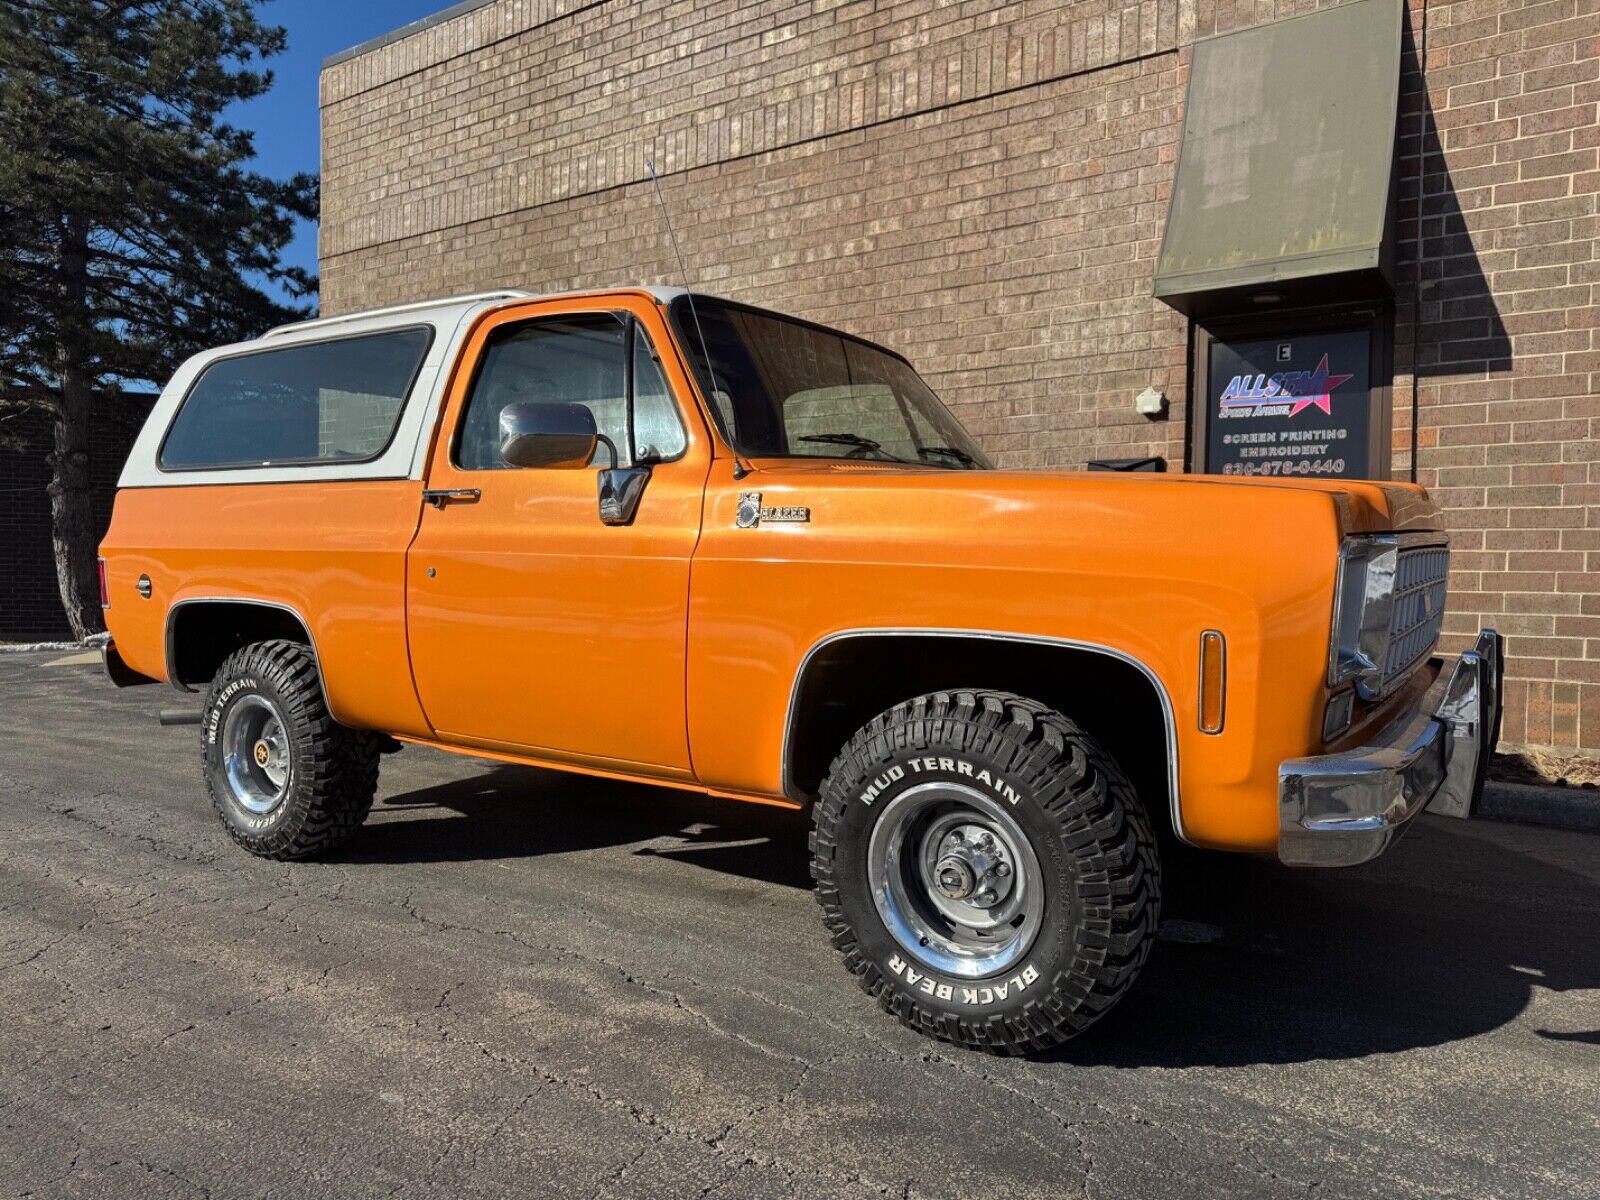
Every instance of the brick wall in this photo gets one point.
(30, 600)
(983, 186)
(1506, 358)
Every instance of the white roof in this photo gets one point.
(428, 307)
(450, 318)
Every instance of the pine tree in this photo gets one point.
(132, 231)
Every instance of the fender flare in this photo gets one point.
(170, 643)
(1168, 716)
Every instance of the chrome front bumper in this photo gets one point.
(1336, 810)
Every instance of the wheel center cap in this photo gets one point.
(955, 878)
(973, 869)
(263, 754)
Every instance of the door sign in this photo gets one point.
(1291, 406)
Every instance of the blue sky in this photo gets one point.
(285, 120)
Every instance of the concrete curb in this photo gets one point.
(1529, 804)
(93, 642)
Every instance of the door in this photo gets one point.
(1297, 395)
(534, 627)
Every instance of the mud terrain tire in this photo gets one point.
(1026, 772)
(288, 780)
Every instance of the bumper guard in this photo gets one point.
(1337, 810)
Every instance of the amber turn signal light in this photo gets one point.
(1213, 680)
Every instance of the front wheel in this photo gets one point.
(986, 870)
(287, 779)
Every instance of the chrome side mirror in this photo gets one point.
(561, 436)
(565, 436)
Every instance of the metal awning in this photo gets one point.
(1284, 170)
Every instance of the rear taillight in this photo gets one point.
(105, 588)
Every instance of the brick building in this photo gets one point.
(30, 605)
(986, 187)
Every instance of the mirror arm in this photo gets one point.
(621, 489)
(609, 445)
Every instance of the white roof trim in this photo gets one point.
(413, 307)
(451, 319)
(663, 295)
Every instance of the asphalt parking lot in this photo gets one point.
(517, 983)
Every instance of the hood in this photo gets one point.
(1362, 506)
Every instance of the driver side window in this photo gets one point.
(581, 359)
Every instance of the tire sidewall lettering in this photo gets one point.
(221, 702)
(254, 823)
(941, 766)
(972, 992)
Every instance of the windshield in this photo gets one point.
(785, 389)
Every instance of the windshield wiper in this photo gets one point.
(843, 439)
(856, 440)
(961, 456)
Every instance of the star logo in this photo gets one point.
(1318, 390)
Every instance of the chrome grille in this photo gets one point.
(1418, 612)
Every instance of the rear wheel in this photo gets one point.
(287, 779)
(985, 870)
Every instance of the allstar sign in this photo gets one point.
(1318, 389)
(1305, 389)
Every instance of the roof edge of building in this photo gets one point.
(394, 35)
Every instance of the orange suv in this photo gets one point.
(652, 536)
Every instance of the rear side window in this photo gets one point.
(335, 401)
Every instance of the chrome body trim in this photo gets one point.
(1346, 808)
(1168, 715)
(172, 674)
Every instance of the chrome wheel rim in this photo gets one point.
(255, 750)
(955, 880)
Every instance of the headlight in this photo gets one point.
(1362, 609)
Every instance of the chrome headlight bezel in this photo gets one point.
(1363, 605)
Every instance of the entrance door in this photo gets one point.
(1295, 396)
(533, 626)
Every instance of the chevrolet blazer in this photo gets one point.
(652, 536)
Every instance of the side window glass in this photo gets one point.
(566, 360)
(657, 431)
(313, 402)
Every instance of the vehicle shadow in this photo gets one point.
(1442, 939)
(525, 812)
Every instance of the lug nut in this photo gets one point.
(985, 897)
(1002, 869)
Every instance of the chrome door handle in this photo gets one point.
(439, 497)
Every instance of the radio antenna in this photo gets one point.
(740, 467)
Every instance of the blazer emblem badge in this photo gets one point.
(751, 512)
